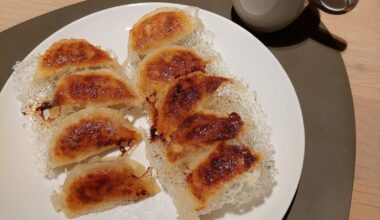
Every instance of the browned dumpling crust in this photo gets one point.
(182, 99)
(166, 64)
(90, 132)
(103, 185)
(106, 185)
(70, 55)
(160, 28)
(202, 130)
(224, 164)
(99, 88)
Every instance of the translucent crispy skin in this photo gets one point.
(158, 29)
(202, 130)
(92, 88)
(94, 132)
(165, 65)
(182, 99)
(104, 185)
(71, 55)
(225, 163)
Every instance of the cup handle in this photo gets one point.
(347, 5)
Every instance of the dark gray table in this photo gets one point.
(310, 56)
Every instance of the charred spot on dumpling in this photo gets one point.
(104, 187)
(224, 164)
(96, 88)
(94, 133)
(208, 128)
(73, 54)
(106, 184)
(171, 64)
(90, 132)
(167, 64)
(201, 130)
(160, 28)
(183, 98)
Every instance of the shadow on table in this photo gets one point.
(307, 25)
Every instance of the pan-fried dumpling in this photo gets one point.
(102, 185)
(219, 170)
(161, 27)
(96, 88)
(71, 55)
(202, 130)
(182, 99)
(166, 64)
(89, 132)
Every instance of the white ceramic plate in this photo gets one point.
(25, 193)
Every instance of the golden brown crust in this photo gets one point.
(105, 185)
(182, 99)
(89, 132)
(158, 29)
(225, 163)
(93, 134)
(73, 54)
(166, 64)
(97, 88)
(202, 130)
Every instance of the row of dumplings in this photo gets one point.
(196, 148)
(88, 81)
(202, 134)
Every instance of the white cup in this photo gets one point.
(273, 15)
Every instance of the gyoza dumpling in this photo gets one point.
(181, 100)
(202, 130)
(161, 27)
(89, 132)
(222, 167)
(99, 186)
(71, 55)
(166, 64)
(93, 88)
